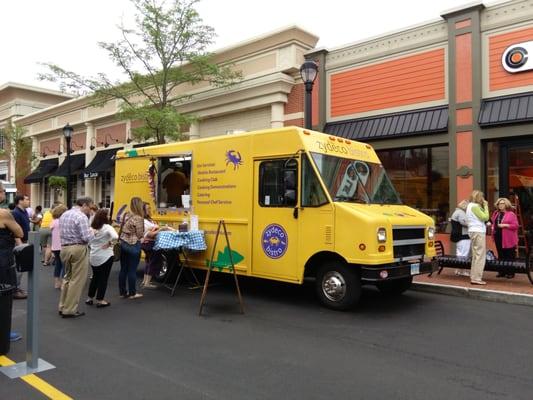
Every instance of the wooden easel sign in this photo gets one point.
(213, 264)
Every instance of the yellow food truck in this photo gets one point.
(297, 204)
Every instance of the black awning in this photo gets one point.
(102, 162)
(45, 168)
(506, 110)
(77, 163)
(428, 120)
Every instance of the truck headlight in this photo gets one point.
(431, 233)
(382, 235)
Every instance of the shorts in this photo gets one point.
(46, 237)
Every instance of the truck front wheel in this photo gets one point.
(338, 286)
(395, 287)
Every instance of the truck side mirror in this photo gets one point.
(289, 187)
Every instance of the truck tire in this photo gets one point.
(338, 286)
(395, 287)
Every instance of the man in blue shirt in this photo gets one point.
(22, 202)
(21, 216)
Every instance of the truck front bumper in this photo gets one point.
(387, 272)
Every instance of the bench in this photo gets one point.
(518, 266)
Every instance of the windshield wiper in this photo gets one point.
(349, 199)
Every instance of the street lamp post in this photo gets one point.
(67, 132)
(308, 72)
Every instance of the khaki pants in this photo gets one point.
(478, 255)
(76, 263)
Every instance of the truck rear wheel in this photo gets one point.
(395, 287)
(338, 286)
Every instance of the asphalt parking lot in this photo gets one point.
(286, 346)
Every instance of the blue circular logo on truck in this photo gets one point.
(274, 241)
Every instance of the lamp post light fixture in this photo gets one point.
(308, 72)
(67, 132)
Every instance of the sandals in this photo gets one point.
(103, 304)
(136, 296)
(149, 286)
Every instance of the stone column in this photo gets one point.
(464, 87)
(277, 114)
(194, 130)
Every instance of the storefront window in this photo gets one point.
(106, 190)
(46, 202)
(421, 177)
(74, 188)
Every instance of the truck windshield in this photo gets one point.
(355, 181)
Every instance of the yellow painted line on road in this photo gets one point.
(39, 384)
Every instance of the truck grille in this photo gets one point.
(409, 242)
(410, 250)
(408, 233)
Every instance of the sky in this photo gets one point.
(66, 32)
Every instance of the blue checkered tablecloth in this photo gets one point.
(174, 240)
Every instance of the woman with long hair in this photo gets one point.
(477, 214)
(505, 232)
(130, 249)
(55, 230)
(152, 258)
(100, 257)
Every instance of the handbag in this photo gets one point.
(116, 247)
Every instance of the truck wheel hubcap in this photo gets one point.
(334, 286)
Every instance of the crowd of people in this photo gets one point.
(470, 222)
(78, 238)
(81, 237)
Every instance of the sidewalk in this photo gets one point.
(514, 291)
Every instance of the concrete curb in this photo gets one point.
(479, 294)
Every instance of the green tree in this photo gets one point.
(18, 148)
(164, 53)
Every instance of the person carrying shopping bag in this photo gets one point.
(130, 249)
(459, 234)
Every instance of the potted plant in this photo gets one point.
(58, 183)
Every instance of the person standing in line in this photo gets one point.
(153, 259)
(46, 237)
(75, 237)
(10, 231)
(460, 234)
(505, 232)
(477, 214)
(130, 249)
(22, 202)
(37, 218)
(55, 230)
(101, 257)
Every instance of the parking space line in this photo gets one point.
(36, 382)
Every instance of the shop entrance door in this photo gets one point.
(517, 177)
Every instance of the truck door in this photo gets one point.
(275, 229)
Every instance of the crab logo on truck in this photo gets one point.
(234, 158)
(274, 241)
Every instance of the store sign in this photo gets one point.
(90, 175)
(517, 57)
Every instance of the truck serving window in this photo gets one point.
(173, 180)
(278, 183)
(355, 181)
